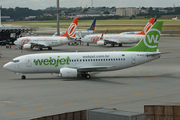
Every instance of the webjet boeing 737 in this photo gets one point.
(49, 42)
(81, 63)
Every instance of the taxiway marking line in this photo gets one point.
(116, 97)
(43, 108)
(70, 104)
(155, 91)
(137, 94)
(94, 101)
(87, 101)
(173, 89)
(31, 84)
(15, 111)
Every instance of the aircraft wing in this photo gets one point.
(112, 41)
(92, 68)
(71, 38)
(39, 44)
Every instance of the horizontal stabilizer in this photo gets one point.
(159, 53)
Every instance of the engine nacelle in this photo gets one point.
(27, 46)
(101, 43)
(68, 72)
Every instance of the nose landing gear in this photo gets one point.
(23, 77)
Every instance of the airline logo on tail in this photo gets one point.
(72, 29)
(92, 27)
(147, 27)
(151, 40)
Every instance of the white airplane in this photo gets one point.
(91, 30)
(49, 42)
(176, 18)
(80, 63)
(119, 39)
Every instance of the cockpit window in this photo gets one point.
(15, 61)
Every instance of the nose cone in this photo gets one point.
(16, 42)
(8, 66)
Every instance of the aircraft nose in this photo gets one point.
(8, 66)
(15, 42)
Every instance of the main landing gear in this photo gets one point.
(86, 75)
(49, 48)
(23, 77)
(40, 48)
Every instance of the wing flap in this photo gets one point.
(92, 68)
(111, 41)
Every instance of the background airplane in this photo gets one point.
(91, 30)
(49, 42)
(80, 63)
(119, 39)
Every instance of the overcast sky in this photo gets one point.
(42, 4)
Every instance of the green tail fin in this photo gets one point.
(150, 42)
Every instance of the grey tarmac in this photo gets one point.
(153, 83)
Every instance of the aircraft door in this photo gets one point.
(28, 61)
(133, 59)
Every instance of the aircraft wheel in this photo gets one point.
(112, 45)
(40, 48)
(49, 48)
(120, 45)
(87, 76)
(87, 44)
(83, 75)
(23, 77)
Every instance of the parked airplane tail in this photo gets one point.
(71, 31)
(93, 25)
(150, 41)
(147, 27)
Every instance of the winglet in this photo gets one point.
(101, 38)
(93, 25)
(71, 31)
(147, 27)
(150, 41)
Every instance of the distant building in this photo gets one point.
(129, 11)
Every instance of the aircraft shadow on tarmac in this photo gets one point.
(106, 79)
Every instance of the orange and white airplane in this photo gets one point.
(119, 39)
(49, 42)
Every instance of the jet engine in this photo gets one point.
(27, 46)
(101, 43)
(68, 72)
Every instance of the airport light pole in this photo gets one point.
(0, 15)
(57, 17)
